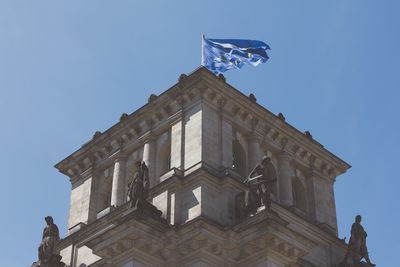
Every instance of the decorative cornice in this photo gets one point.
(248, 114)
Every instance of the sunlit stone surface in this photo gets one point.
(200, 139)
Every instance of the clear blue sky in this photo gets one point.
(70, 68)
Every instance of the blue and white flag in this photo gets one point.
(220, 55)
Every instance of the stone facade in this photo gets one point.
(200, 139)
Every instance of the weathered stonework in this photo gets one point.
(199, 139)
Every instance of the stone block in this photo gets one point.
(66, 255)
(85, 257)
(161, 203)
(190, 207)
(176, 145)
(193, 136)
(80, 200)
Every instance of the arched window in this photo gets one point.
(299, 195)
(239, 163)
(104, 200)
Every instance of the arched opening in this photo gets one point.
(299, 195)
(239, 162)
(104, 200)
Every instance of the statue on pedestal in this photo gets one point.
(139, 191)
(138, 188)
(47, 252)
(357, 248)
(258, 182)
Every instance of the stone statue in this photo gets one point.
(139, 187)
(47, 252)
(258, 182)
(139, 192)
(357, 249)
(51, 236)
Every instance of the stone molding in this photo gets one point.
(235, 246)
(203, 85)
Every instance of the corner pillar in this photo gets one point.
(321, 200)
(93, 198)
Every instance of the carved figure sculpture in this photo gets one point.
(258, 182)
(48, 256)
(357, 249)
(47, 249)
(139, 186)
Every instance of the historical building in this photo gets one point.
(200, 139)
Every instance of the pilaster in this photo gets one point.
(285, 179)
(93, 196)
(321, 201)
(176, 144)
(227, 141)
(310, 176)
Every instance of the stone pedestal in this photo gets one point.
(145, 209)
(55, 262)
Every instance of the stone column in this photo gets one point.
(254, 152)
(149, 159)
(118, 183)
(285, 179)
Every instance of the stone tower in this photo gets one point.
(199, 140)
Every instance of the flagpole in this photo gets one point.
(202, 49)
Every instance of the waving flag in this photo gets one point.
(220, 55)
